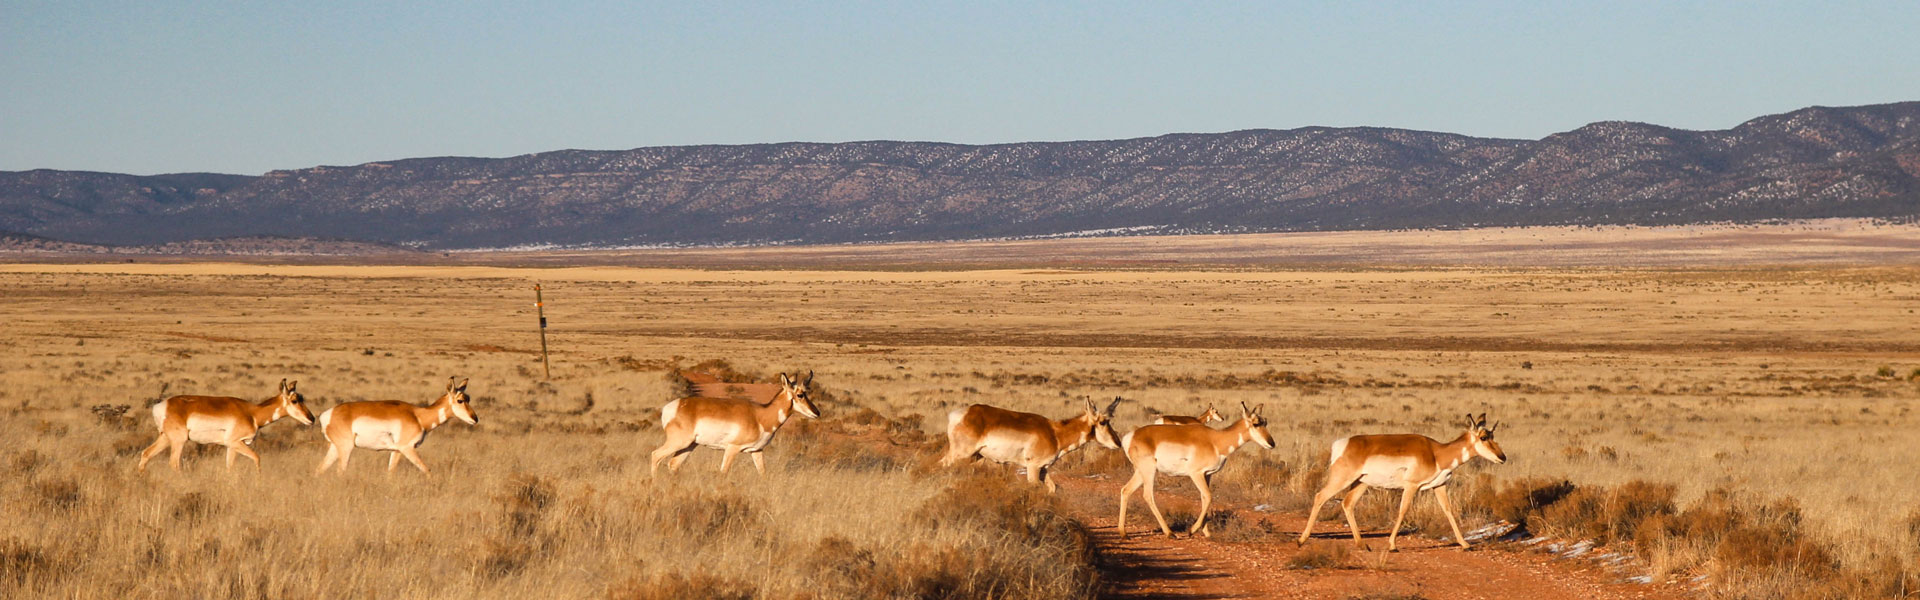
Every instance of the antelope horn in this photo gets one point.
(1113, 405)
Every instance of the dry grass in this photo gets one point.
(1751, 546)
(1764, 383)
(549, 502)
(1322, 554)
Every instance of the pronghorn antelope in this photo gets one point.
(1189, 449)
(230, 422)
(397, 427)
(1408, 462)
(731, 425)
(1207, 416)
(1026, 439)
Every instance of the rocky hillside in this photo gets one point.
(1816, 162)
(235, 246)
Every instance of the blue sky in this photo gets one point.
(153, 87)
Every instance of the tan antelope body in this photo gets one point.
(732, 425)
(227, 421)
(1026, 439)
(1207, 416)
(391, 426)
(1190, 449)
(1407, 462)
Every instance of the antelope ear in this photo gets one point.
(785, 380)
(283, 385)
(1257, 408)
(292, 384)
(450, 383)
(463, 385)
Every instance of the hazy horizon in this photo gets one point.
(212, 87)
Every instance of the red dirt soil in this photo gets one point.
(1144, 565)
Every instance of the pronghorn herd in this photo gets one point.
(396, 427)
(1173, 445)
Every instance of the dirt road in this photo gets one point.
(1150, 565)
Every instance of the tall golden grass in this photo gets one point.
(533, 509)
(1656, 396)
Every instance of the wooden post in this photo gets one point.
(540, 304)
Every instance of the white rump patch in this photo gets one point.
(667, 412)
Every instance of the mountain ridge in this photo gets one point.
(1814, 162)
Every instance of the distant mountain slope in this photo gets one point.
(233, 246)
(1816, 162)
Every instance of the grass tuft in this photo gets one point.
(680, 586)
(1321, 554)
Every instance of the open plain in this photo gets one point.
(1683, 407)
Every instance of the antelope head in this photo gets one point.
(1212, 415)
(798, 390)
(1101, 424)
(458, 401)
(1481, 436)
(291, 403)
(1256, 425)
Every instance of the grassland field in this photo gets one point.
(1793, 383)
